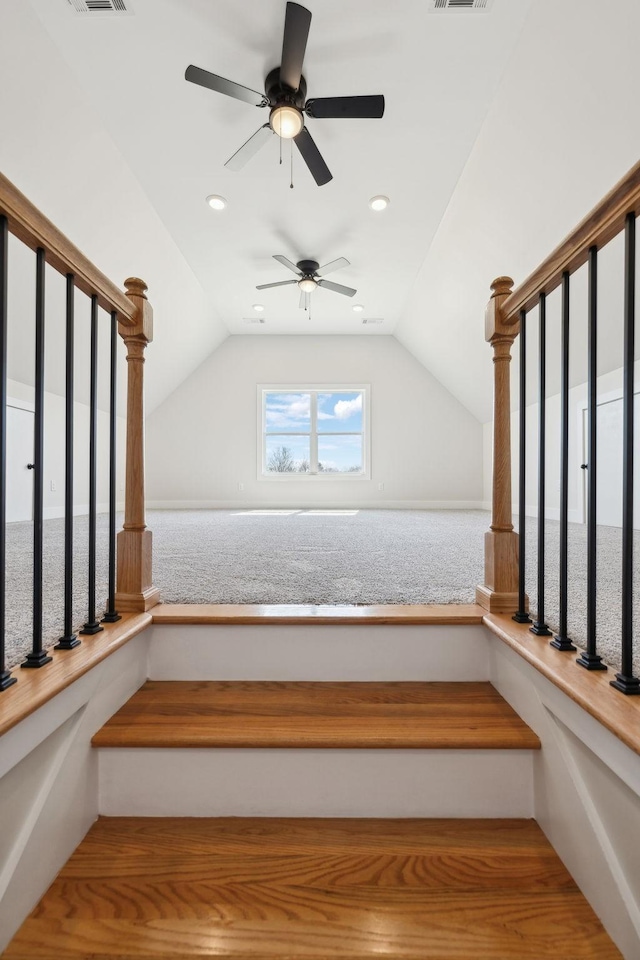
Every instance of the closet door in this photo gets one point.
(609, 489)
(19, 454)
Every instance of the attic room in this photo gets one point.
(270, 496)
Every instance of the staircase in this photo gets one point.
(363, 791)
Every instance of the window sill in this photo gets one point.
(306, 477)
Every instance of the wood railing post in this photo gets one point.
(499, 593)
(134, 585)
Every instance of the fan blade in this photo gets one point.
(250, 148)
(337, 288)
(354, 108)
(230, 89)
(287, 263)
(296, 30)
(305, 300)
(334, 265)
(281, 283)
(312, 157)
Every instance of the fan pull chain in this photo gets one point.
(291, 145)
(280, 139)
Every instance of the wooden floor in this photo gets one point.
(317, 715)
(313, 889)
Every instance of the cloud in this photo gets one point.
(346, 408)
(288, 410)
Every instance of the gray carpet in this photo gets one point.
(19, 590)
(315, 556)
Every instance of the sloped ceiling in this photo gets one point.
(499, 134)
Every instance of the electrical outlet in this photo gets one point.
(241, 486)
(52, 486)
(381, 486)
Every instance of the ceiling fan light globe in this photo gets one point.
(286, 121)
(307, 284)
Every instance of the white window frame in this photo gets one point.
(314, 389)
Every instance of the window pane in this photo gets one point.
(287, 455)
(339, 454)
(340, 412)
(285, 412)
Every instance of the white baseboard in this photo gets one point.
(316, 505)
(48, 779)
(551, 513)
(79, 510)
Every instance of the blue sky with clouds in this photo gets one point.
(338, 412)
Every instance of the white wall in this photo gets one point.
(608, 386)
(514, 203)
(56, 151)
(54, 453)
(202, 441)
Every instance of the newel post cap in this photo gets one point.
(136, 291)
(494, 325)
(501, 287)
(135, 287)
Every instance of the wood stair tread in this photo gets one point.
(306, 888)
(325, 613)
(400, 715)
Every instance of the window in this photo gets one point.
(316, 433)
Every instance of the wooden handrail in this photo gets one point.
(35, 230)
(600, 226)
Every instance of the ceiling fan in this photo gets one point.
(285, 94)
(311, 276)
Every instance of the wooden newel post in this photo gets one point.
(134, 584)
(499, 593)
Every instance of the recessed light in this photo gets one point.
(379, 203)
(216, 202)
(258, 308)
(358, 308)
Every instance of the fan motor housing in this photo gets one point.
(308, 267)
(278, 93)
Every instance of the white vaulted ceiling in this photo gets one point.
(477, 127)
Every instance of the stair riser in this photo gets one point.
(316, 783)
(319, 652)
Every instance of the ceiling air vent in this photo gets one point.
(442, 6)
(372, 320)
(101, 6)
(253, 319)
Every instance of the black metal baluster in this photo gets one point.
(562, 641)
(539, 627)
(522, 616)
(625, 680)
(111, 615)
(6, 680)
(38, 657)
(69, 640)
(92, 625)
(589, 659)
